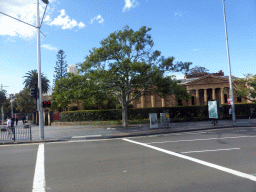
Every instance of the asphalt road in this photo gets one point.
(213, 160)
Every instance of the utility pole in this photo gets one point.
(12, 99)
(229, 66)
(2, 108)
(38, 26)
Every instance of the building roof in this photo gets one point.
(189, 80)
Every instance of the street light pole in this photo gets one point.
(12, 105)
(40, 109)
(2, 108)
(38, 26)
(229, 66)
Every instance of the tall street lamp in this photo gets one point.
(38, 26)
(229, 66)
(40, 109)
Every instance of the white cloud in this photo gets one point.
(50, 47)
(130, 4)
(47, 19)
(65, 22)
(98, 18)
(81, 25)
(24, 10)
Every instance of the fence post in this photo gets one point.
(13, 129)
(30, 133)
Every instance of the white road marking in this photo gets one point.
(39, 176)
(202, 139)
(176, 134)
(210, 150)
(200, 132)
(85, 136)
(221, 168)
(191, 133)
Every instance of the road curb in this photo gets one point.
(136, 134)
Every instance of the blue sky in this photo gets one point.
(189, 30)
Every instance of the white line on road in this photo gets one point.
(191, 133)
(202, 139)
(210, 150)
(39, 176)
(85, 136)
(176, 134)
(231, 171)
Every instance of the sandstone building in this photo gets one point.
(202, 87)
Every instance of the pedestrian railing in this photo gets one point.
(16, 133)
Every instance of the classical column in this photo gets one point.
(153, 101)
(205, 96)
(163, 103)
(222, 96)
(49, 117)
(134, 103)
(142, 104)
(197, 97)
(213, 94)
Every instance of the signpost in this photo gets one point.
(153, 120)
(165, 120)
(230, 102)
(213, 110)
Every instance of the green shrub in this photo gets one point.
(119, 106)
(73, 108)
(91, 115)
(177, 113)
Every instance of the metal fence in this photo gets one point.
(16, 133)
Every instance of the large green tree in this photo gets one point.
(2, 97)
(61, 66)
(25, 103)
(198, 70)
(31, 78)
(126, 66)
(76, 87)
(246, 87)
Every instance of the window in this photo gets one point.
(179, 102)
(225, 98)
(193, 100)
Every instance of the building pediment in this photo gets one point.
(207, 80)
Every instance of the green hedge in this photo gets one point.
(178, 113)
(91, 115)
(190, 112)
(73, 108)
(241, 110)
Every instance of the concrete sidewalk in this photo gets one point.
(62, 133)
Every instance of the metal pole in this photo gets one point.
(2, 111)
(41, 125)
(229, 66)
(12, 105)
(2, 108)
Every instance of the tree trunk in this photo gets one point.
(124, 115)
(124, 110)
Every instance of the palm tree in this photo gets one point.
(31, 78)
